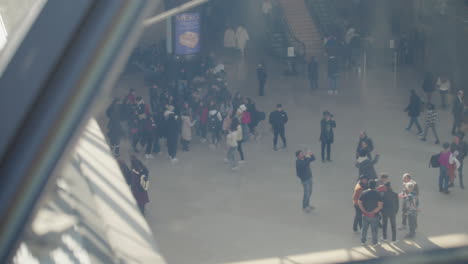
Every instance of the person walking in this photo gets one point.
(304, 173)
(411, 203)
(278, 120)
(368, 147)
(389, 210)
(430, 121)
(444, 161)
(366, 166)
(370, 202)
(327, 124)
(458, 109)
(414, 110)
(312, 70)
(459, 145)
(361, 185)
(231, 142)
(428, 85)
(262, 78)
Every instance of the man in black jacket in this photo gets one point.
(312, 70)
(305, 175)
(389, 210)
(363, 137)
(457, 111)
(326, 134)
(262, 77)
(278, 119)
(414, 110)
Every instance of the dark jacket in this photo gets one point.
(261, 74)
(303, 168)
(278, 119)
(457, 108)
(428, 84)
(326, 130)
(414, 107)
(114, 126)
(462, 149)
(390, 203)
(332, 67)
(370, 144)
(366, 167)
(312, 70)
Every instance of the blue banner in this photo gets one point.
(187, 33)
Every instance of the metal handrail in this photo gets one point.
(291, 36)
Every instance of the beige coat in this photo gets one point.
(187, 128)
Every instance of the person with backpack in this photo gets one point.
(214, 126)
(278, 120)
(430, 122)
(389, 210)
(414, 110)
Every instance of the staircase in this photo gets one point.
(302, 26)
(324, 14)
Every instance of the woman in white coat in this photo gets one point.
(229, 38)
(241, 39)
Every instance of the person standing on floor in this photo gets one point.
(148, 136)
(115, 132)
(366, 166)
(186, 130)
(327, 124)
(239, 131)
(139, 183)
(404, 216)
(241, 39)
(215, 122)
(262, 78)
(389, 210)
(411, 203)
(444, 87)
(229, 39)
(361, 185)
(368, 147)
(414, 110)
(459, 145)
(312, 70)
(444, 161)
(428, 85)
(333, 75)
(370, 202)
(231, 142)
(172, 124)
(278, 120)
(430, 121)
(304, 173)
(458, 110)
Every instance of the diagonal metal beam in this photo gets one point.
(173, 11)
